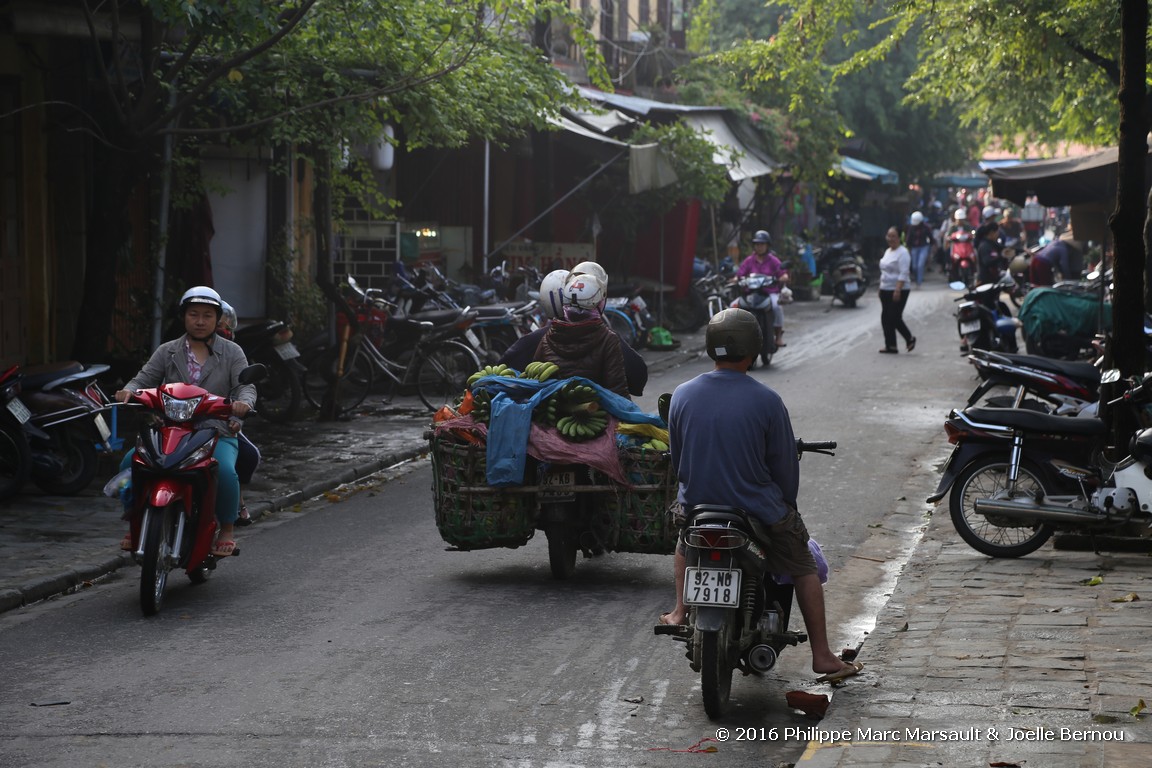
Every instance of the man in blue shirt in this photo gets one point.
(732, 444)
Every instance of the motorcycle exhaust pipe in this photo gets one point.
(762, 658)
(1029, 511)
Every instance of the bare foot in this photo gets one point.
(672, 618)
(830, 664)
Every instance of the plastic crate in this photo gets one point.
(468, 514)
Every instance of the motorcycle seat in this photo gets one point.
(1033, 421)
(436, 316)
(256, 331)
(36, 376)
(491, 312)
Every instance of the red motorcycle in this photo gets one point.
(963, 252)
(172, 512)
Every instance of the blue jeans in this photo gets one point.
(919, 260)
(227, 482)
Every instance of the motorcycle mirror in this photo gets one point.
(958, 285)
(662, 404)
(1110, 376)
(253, 374)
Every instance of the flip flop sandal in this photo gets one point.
(225, 548)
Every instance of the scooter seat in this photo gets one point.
(436, 316)
(1034, 421)
(36, 376)
(1085, 373)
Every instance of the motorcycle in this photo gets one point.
(627, 315)
(173, 485)
(738, 613)
(843, 271)
(983, 319)
(67, 430)
(281, 394)
(755, 297)
(15, 455)
(962, 253)
(1040, 383)
(1105, 498)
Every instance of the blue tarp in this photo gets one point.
(858, 169)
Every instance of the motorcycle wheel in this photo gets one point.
(354, 384)
(15, 458)
(715, 670)
(561, 551)
(621, 326)
(78, 455)
(278, 397)
(848, 302)
(154, 571)
(442, 373)
(987, 478)
(687, 315)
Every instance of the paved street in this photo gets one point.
(963, 647)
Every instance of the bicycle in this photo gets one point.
(409, 353)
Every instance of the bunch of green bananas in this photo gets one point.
(481, 405)
(491, 370)
(582, 425)
(547, 411)
(655, 445)
(539, 370)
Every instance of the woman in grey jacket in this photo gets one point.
(203, 358)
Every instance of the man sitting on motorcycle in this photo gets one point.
(732, 444)
(989, 261)
(205, 359)
(762, 261)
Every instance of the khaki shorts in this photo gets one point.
(786, 543)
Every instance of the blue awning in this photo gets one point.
(858, 169)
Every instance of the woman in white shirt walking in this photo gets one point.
(894, 285)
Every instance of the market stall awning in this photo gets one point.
(741, 160)
(1062, 181)
(858, 169)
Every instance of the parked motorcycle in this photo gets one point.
(1050, 386)
(15, 455)
(983, 319)
(281, 394)
(67, 430)
(738, 613)
(1004, 452)
(1105, 498)
(173, 487)
(756, 298)
(843, 269)
(626, 313)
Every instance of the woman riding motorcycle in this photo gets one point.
(762, 261)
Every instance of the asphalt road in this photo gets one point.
(346, 635)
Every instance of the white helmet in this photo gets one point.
(591, 268)
(916, 219)
(960, 215)
(552, 293)
(228, 316)
(202, 294)
(585, 291)
(990, 212)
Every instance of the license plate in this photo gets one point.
(712, 586)
(473, 339)
(287, 351)
(850, 285)
(559, 484)
(19, 410)
(102, 427)
(970, 327)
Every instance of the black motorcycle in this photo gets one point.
(738, 614)
(983, 318)
(280, 394)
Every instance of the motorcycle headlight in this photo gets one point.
(180, 410)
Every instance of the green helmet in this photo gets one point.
(733, 334)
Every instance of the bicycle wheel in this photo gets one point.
(353, 387)
(442, 372)
(621, 325)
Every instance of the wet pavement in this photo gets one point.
(1039, 661)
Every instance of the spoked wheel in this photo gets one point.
(562, 548)
(353, 386)
(442, 373)
(15, 457)
(77, 455)
(157, 548)
(987, 478)
(621, 326)
(715, 669)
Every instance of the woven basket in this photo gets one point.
(476, 519)
(643, 516)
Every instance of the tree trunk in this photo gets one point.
(1126, 348)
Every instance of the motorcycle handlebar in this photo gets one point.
(815, 446)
